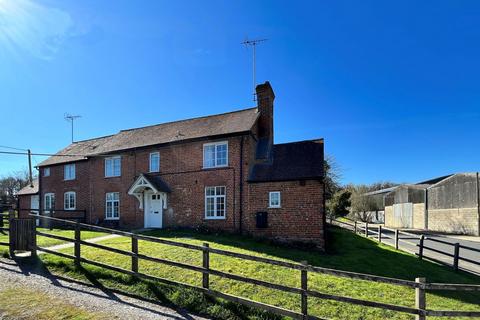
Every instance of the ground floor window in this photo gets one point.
(112, 206)
(49, 201)
(274, 199)
(69, 200)
(215, 202)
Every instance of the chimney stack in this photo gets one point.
(265, 97)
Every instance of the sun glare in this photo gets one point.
(29, 27)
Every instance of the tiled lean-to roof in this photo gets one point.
(29, 189)
(291, 161)
(209, 126)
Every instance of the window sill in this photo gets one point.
(109, 177)
(71, 209)
(275, 207)
(216, 167)
(214, 218)
(112, 219)
(69, 179)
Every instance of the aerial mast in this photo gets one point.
(71, 118)
(253, 43)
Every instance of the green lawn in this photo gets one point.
(27, 304)
(348, 252)
(47, 242)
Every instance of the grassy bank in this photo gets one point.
(348, 252)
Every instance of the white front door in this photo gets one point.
(34, 206)
(154, 211)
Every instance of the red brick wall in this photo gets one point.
(300, 217)
(55, 183)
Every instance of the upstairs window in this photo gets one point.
(274, 199)
(155, 162)
(215, 154)
(46, 172)
(215, 202)
(69, 200)
(49, 201)
(112, 206)
(69, 172)
(113, 166)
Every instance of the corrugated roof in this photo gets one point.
(215, 125)
(28, 189)
(291, 161)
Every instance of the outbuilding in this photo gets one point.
(447, 204)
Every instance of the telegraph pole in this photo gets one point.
(71, 118)
(253, 44)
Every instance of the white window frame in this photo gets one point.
(68, 194)
(215, 144)
(112, 161)
(113, 206)
(69, 171)
(51, 201)
(215, 197)
(270, 194)
(150, 161)
(46, 172)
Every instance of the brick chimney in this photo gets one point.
(265, 97)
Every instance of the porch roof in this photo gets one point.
(154, 182)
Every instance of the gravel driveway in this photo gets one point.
(83, 295)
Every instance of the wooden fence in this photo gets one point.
(377, 232)
(419, 285)
(4, 218)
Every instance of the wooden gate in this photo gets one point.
(22, 235)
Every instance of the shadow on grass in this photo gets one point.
(156, 292)
(348, 252)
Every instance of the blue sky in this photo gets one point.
(392, 86)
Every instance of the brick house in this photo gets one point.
(216, 172)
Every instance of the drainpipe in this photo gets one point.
(240, 222)
(478, 206)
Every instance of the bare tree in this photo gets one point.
(11, 184)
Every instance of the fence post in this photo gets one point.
(77, 244)
(456, 254)
(379, 233)
(420, 298)
(304, 281)
(33, 248)
(11, 233)
(1, 221)
(206, 266)
(366, 229)
(420, 247)
(355, 226)
(135, 254)
(396, 239)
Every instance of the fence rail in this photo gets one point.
(368, 230)
(419, 285)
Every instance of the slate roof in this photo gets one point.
(157, 182)
(27, 190)
(215, 125)
(291, 161)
